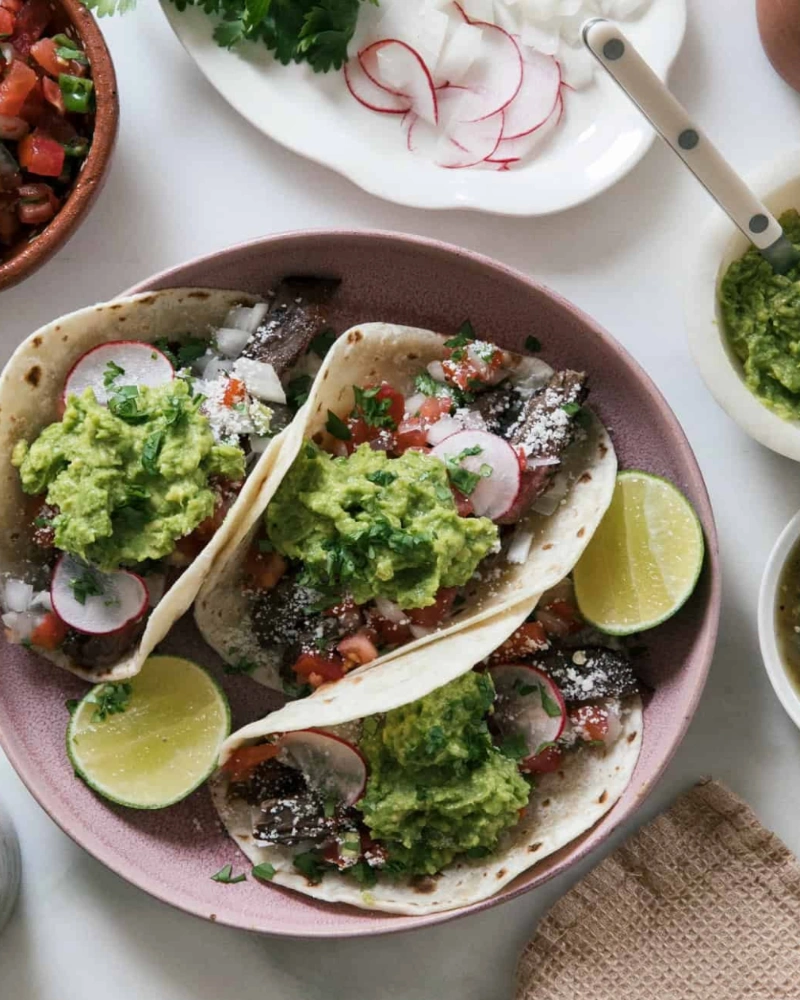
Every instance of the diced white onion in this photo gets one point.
(199, 365)
(17, 595)
(520, 547)
(420, 631)
(215, 368)
(260, 379)
(42, 600)
(390, 611)
(436, 371)
(444, 427)
(20, 625)
(246, 318)
(230, 341)
(413, 403)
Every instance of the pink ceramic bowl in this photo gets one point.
(172, 853)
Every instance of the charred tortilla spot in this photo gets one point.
(547, 546)
(65, 338)
(115, 306)
(34, 376)
(425, 884)
(357, 680)
(149, 301)
(325, 374)
(198, 295)
(603, 797)
(412, 357)
(632, 737)
(354, 336)
(501, 873)
(603, 450)
(546, 803)
(534, 847)
(581, 532)
(37, 341)
(586, 477)
(561, 775)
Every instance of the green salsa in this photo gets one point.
(761, 315)
(129, 479)
(438, 788)
(787, 616)
(376, 526)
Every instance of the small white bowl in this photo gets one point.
(768, 599)
(719, 244)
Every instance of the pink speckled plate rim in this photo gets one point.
(702, 654)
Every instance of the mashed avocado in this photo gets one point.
(130, 479)
(761, 313)
(438, 788)
(377, 526)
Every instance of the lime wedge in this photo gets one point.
(644, 560)
(151, 741)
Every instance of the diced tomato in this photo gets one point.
(242, 762)
(528, 639)
(235, 392)
(35, 105)
(12, 128)
(225, 492)
(434, 408)
(263, 570)
(327, 666)
(17, 83)
(7, 20)
(44, 52)
(523, 460)
(189, 548)
(410, 434)
(32, 19)
(397, 403)
(12, 5)
(359, 434)
(41, 155)
(52, 94)
(463, 503)
(590, 721)
(50, 632)
(436, 613)
(560, 618)
(390, 633)
(544, 762)
(358, 648)
(37, 204)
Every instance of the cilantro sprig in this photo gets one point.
(464, 480)
(373, 409)
(86, 584)
(110, 699)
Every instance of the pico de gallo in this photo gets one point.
(376, 533)
(46, 117)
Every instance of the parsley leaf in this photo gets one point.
(111, 699)
(297, 391)
(111, 373)
(381, 477)
(374, 411)
(86, 585)
(364, 874)
(571, 409)
(226, 876)
(336, 427)
(465, 335)
(151, 450)
(464, 480)
(549, 704)
(533, 344)
(312, 865)
(515, 747)
(323, 342)
(264, 872)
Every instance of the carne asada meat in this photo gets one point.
(269, 780)
(586, 674)
(297, 315)
(98, 652)
(500, 408)
(544, 428)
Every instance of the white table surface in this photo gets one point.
(189, 177)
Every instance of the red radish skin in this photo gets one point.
(371, 95)
(328, 763)
(523, 715)
(423, 102)
(533, 104)
(96, 616)
(143, 364)
(491, 97)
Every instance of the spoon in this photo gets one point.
(669, 118)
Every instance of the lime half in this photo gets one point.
(151, 741)
(644, 560)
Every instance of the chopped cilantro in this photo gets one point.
(163, 345)
(374, 411)
(264, 872)
(571, 409)
(191, 351)
(297, 391)
(478, 852)
(329, 807)
(86, 585)
(435, 740)
(381, 477)
(124, 403)
(533, 344)
(292, 690)
(464, 480)
(550, 705)
(364, 874)
(394, 866)
(110, 699)
(71, 704)
(226, 876)
(336, 427)
(465, 335)
(241, 666)
(150, 451)
(42, 522)
(111, 373)
(312, 865)
(515, 747)
(351, 845)
(323, 342)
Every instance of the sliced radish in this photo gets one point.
(494, 460)
(123, 597)
(399, 69)
(459, 53)
(537, 97)
(464, 144)
(528, 704)
(368, 93)
(523, 145)
(496, 74)
(330, 765)
(444, 428)
(141, 364)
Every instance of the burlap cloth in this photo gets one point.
(701, 904)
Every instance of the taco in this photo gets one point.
(440, 802)
(131, 434)
(430, 484)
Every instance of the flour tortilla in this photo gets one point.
(562, 806)
(366, 355)
(30, 391)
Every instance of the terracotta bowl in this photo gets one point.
(401, 279)
(28, 255)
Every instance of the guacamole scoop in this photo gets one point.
(438, 787)
(761, 316)
(376, 526)
(129, 479)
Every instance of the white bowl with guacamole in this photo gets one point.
(749, 364)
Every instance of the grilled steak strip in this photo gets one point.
(587, 674)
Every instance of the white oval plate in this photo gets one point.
(603, 136)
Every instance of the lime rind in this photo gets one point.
(628, 565)
(82, 718)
